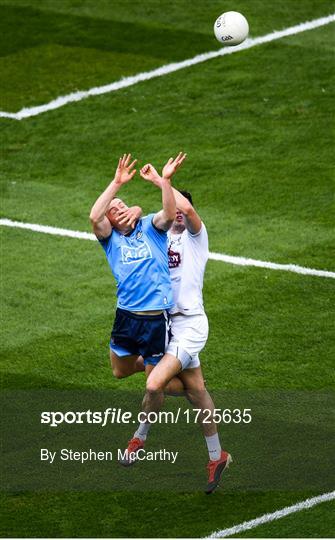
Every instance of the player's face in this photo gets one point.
(179, 220)
(113, 213)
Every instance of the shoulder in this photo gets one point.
(148, 225)
(146, 221)
(200, 235)
(199, 241)
(106, 242)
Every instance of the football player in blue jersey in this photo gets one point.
(136, 250)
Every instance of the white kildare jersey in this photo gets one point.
(188, 255)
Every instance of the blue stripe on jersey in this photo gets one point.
(139, 263)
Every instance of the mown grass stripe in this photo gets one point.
(230, 259)
(27, 112)
(267, 518)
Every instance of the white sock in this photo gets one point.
(142, 431)
(214, 447)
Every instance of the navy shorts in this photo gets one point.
(145, 335)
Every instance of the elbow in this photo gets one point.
(168, 220)
(94, 218)
(187, 210)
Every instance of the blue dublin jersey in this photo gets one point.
(139, 263)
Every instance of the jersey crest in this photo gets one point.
(174, 258)
(134, 254)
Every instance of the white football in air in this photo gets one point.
(231, 28)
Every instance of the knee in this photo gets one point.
(117, 368)
(118, 374)
(153, 387)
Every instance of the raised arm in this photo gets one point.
(163, 219)
(192, 219)
(148, 172)
(124, 173)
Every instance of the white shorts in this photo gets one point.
(189, 336)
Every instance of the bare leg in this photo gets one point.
(140, 364)
(126, 365)
(174, 387)
(158, 378)
(164, 375)
(198, 395)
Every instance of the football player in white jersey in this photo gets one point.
(188, 255)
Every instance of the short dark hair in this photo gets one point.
(187, 195)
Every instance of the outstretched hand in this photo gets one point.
(125, 172)
(129, 216)
(173, 165)
(149, 173)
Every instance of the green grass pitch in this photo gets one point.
(258, 130)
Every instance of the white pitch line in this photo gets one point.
(47, 229)
(243, 261)
(267, 518)
(27, 112)
(240, 261)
